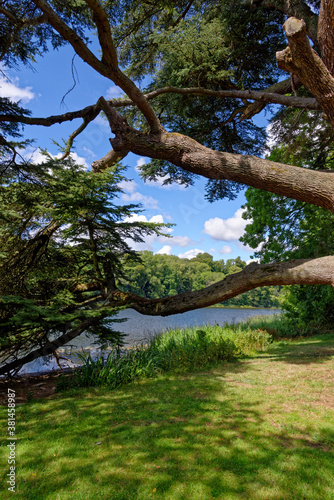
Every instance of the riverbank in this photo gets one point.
(259, 428)
(139, 329)
(186, 349)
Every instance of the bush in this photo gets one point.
(308, 306)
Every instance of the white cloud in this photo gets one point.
(114, 92)
(79, 160)
(226, 229)
(157, 219)
(10, 88)
(250, 261)
(167, 242)
(226, 249)
(131, 195)
(271, 140)
(247, 248)
(166, 249)
(150, 239)
(190, 254)
(146, 201)
(129, 186)
(142, 218)
(140, 162)
(136, 218)
(177, 241)
(37, 157)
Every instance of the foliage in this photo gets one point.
(176, 350)
(215, 46)
(288, 229)
(63, 237)
(310, 306)
(24, 35)
(64, 240)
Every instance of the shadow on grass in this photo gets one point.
(318, 349)
(168, 438)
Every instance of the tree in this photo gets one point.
(290, 229)
(64, 242)
(220, 54)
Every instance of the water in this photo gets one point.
(140, 328)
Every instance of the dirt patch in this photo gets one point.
(28, 387)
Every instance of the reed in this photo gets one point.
(177, 350)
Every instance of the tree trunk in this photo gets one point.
(301, 60)
(326, 34)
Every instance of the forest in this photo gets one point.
(157, 276)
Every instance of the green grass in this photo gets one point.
(259, 428)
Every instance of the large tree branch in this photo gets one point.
(108, 66)
(295, 272)
(263, 97)
(49, 120)
(300, 59)
(302, 184)
(33, 21)
(70, 36)
(108, 160)
(282, 88)
(109, 55)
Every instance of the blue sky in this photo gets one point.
(200, 226)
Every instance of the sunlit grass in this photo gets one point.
(260, 428)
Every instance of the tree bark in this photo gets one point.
(301, 60)
(326, 34)
(293, 182)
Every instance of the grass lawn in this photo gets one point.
(259, 428)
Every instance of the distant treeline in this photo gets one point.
(164, 275)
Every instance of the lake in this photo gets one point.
(139, 328)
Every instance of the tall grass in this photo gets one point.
(280, 327)
(178, 350)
